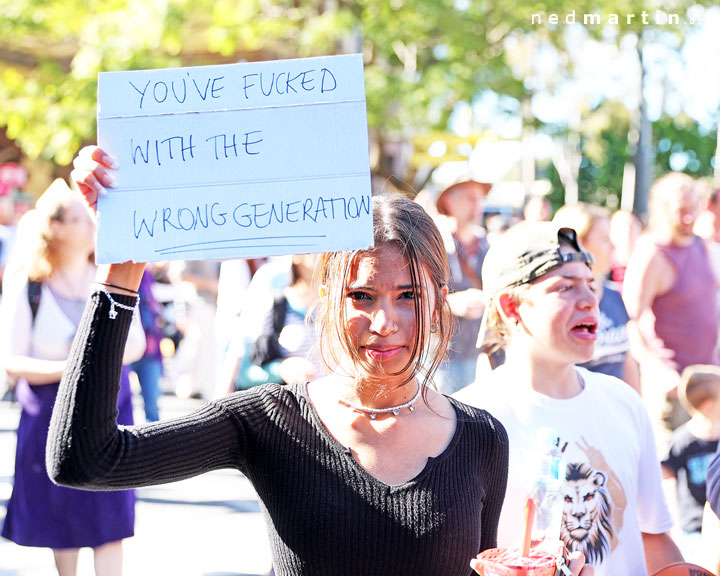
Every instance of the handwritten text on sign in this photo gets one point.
(235, 161)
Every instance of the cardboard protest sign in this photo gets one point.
(235, 161)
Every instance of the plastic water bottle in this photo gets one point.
(547, 492)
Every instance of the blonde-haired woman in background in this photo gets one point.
(44, 296)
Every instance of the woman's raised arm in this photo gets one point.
(86, 448)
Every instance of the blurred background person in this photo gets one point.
(149, 368)
(537, 208)
(707, 226)
(497, 224)
(42, 305)
(686, 462)
(710, 538)
(271, 277)
(7, 229)
(461, 207)
(194, 362)
(280, 341)
(670, 295)
(233, 285)
(7, 235)
(612, 347)
(625, 229)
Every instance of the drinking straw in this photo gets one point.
(527, 530)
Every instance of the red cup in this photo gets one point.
(510, 562)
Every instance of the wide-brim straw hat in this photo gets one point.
(465, 178)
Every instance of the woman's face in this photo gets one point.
(380, 308)
(559, 315)
(75, 229)
(597, 242)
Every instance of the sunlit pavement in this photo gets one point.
(209, 525)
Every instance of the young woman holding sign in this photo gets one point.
(365, 471)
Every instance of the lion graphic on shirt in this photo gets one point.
(587, 513)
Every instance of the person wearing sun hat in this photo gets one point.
(543, 311)
(460, 206)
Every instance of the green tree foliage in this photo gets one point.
(422, 57)
(51, 54)
(680, 144)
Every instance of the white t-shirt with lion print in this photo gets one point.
(613, 490)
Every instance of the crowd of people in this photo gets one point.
(388, 398)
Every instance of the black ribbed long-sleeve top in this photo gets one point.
(325, 514)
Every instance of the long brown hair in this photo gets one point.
(404, 224)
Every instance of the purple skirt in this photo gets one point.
(43, 514)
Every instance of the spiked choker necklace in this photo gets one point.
(372, 413)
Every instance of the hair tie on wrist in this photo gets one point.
(118, 287)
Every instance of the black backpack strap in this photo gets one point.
(267, 346)
(34, 291)
(279, 313)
